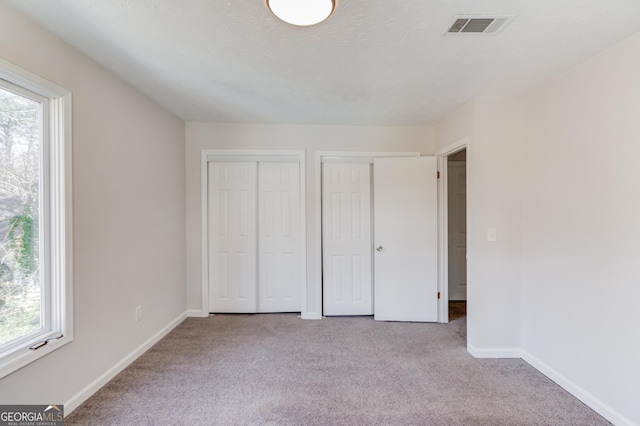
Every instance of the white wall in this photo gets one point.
(201, 136)
(457, 124)
(493, 201)
(493, 128)
(128, 193)
(581, 229)
(556, 173)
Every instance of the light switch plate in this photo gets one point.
(491, 234)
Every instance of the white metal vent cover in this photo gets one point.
(478, 24)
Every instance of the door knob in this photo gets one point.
(379, 248)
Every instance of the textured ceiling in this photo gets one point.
(373, 62)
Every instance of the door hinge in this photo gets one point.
(438, 295)
(438, 175)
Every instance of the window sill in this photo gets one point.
(25, 356)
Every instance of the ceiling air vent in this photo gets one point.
(478, 24)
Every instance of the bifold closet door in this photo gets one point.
(347, 286)
(279, 237)
(232, 193)
(254, 237)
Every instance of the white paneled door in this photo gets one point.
(346, 239)
(279, 237)
(254, 236)
(405, 228)
(232, 237)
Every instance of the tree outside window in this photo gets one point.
(20, 283)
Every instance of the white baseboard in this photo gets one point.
(594, 403)
(591, 401)
(494, 352)
(197, 313)
(102, 380)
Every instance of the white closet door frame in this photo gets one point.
(335, 156)
(208, 155)
(443, 225)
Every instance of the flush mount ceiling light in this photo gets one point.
(301, 12)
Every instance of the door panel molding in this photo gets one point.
(346, 238)
(226, 155)
(278, 234)
(232, 190)
(336, 156)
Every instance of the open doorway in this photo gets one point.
(457, 233)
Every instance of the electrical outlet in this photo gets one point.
(138, 313)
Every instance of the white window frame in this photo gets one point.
(56, 210)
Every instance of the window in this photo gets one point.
(36, 314)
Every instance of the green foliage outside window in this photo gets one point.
(20, 289)
(20, 238)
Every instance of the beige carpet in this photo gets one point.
(280, 370)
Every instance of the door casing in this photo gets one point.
(443, 226)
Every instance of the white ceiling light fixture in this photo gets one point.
(302, 12)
